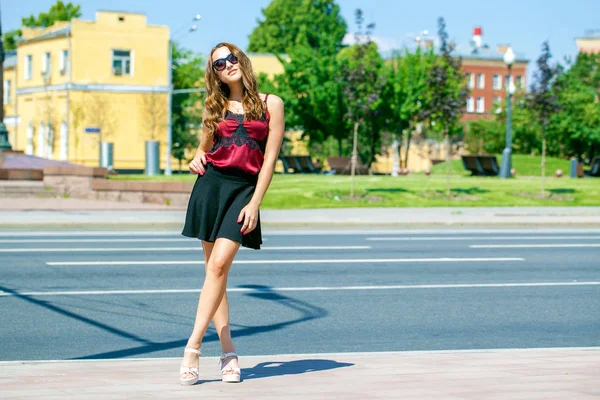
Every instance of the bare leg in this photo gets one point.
(217, 269)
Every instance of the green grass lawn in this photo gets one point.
(525, 166)
(418, 190)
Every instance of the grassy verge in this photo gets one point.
(418, 190)
(524, 165)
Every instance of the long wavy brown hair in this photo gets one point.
(218, 92)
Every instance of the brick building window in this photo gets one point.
(470, 105)
(480, 105)
(520, 82)
(481, 81)
(497, 82)
(471, 80)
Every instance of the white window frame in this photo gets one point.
(7, 89)
(520, 82)
(46, 63)
(480, 104)
(471, 82)
(63, 61)
(470, 104)
(28, 67)
(122, 60)
(497, 82)
(481, 80)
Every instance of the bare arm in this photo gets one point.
(199, 161)
(274, 140)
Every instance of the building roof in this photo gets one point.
(590, 34)
(49, 35)
(467, 51)
(10, 59)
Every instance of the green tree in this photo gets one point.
(362, 83)
(289, 24)
(408, 76)
(186, 108)
(543, 100)
(446, 93)
(57, 12)
(577, 123)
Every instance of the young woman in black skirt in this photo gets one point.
(241, 138)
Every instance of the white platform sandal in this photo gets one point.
(189, 370)
(229, 374)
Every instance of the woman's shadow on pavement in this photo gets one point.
(276, 368)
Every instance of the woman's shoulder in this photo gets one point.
(271, 99)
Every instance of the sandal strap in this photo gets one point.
(224, 357)
(190, 350)
(194, 370)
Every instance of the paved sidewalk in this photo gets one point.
(530, 374)
(92, 214)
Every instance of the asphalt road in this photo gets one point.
(71, 295)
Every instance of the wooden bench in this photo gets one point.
(299, 164)
(594, 168)
(481, 165)
(343, 166)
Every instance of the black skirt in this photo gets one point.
(217, 198)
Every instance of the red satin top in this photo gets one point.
(239, 143)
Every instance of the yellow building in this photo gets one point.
(590, 43)
(10, 100)
(76, 78)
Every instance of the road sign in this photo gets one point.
(91, 129)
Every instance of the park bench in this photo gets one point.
(481, 165)
(299, 164)
(594, 168)
(343, 166)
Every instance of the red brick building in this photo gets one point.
(488, 75)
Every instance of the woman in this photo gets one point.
(241, 138)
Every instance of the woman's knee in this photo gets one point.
(217, 266)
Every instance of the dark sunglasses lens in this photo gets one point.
(232, 59)
(219, 64)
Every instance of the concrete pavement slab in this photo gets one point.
(567, 373)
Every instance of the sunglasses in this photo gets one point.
(221, 63)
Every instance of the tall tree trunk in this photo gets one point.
(448, 151)
(543, 164)
(373, 143)
(354, 159)
(340, 147)
(408, 139)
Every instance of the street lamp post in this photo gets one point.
(509, 59)
(168, 167)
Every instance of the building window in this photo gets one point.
(471, 81)
(480, 105)
(470, 105)
(497, 83)
(28, 66)
(63, 61)
(520, 82)
(46, 63)
(121, 62)
(498, 100)
(481, 81)
(7, 84)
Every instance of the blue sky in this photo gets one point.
(524, 24)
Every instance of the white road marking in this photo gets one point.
(324, 261)
(313, 232)
(451, 238)
(305, 289)
(150, 249)
(532, 246)
(97, 240)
